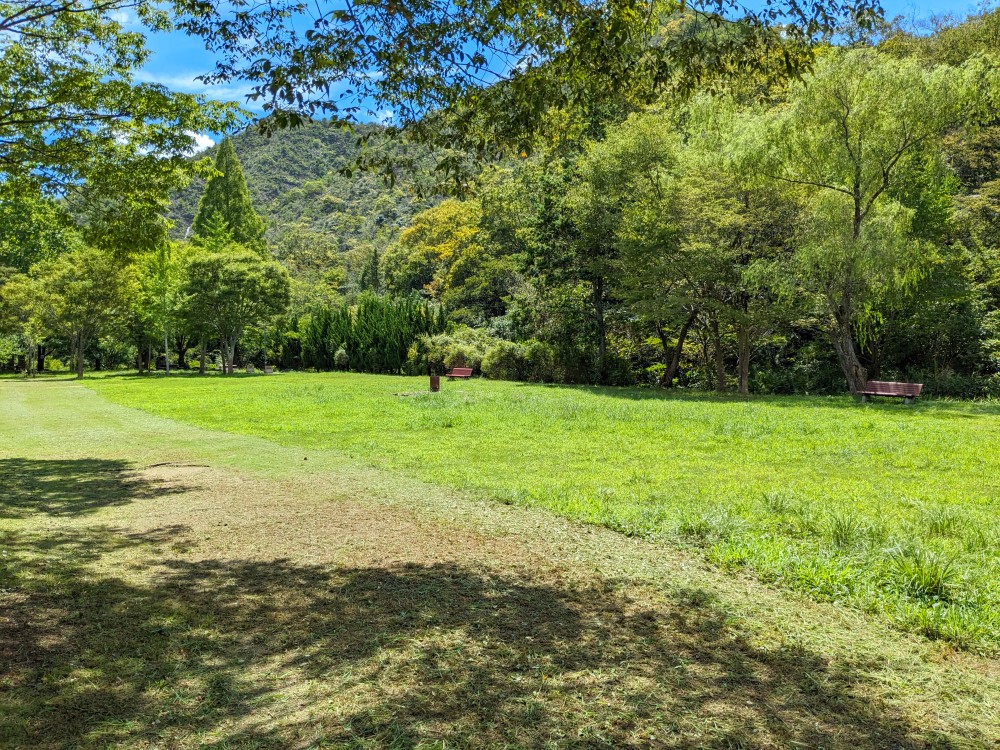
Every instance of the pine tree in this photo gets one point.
(227, 195)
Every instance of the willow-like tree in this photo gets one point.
(227, 198)
(849, 135)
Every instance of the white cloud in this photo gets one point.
(201, 142)
(187, 83)
(121, 16)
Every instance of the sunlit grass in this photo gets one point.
(887, 507)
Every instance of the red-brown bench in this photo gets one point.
(459, 372)
(905, 391)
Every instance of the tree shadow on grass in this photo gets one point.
(71, 487)
(922, 406)
(152, 650)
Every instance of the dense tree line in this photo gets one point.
(762, 232)
(816, 234)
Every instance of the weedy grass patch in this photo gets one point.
(817, 494)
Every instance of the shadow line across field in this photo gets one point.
(111, 638)
(940, 407)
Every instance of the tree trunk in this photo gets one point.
(181, 345)
(602, 331)
(166, 352)
(675, 356)
(847, 355)
(201, 357)
(720, 364)
(743, 343)
(229, 355)
(79, 356)
(40, 358)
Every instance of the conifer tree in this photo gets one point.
(227, 195)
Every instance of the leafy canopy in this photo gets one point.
(73, 111)
(494, 67)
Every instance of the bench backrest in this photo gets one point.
(461, 371)
(888, 388)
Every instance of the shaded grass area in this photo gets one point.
(58, 487)
(109, 638)
(888, 508)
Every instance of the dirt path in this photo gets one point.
(164, 586)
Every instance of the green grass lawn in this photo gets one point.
(886, 507)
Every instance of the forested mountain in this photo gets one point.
(296, 183)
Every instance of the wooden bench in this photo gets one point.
(905, 391)
(459, 372)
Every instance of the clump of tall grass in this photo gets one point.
(846, 529)
(942, 520)
(946, 621)
(778, 503)
(825, 578)
(708, 528)
(924, 574)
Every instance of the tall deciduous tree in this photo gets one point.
(227, 201)
(229, 290)
(72, 110)
(78, 296)
(846, 134)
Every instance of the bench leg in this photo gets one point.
(863, 398)
(908, 400)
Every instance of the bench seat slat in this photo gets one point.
(889, 388)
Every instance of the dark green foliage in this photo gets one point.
(532, 361)
(318, 345)
(375, 334)
(227, 198)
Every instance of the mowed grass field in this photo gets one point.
(165, 586)
(888, 508)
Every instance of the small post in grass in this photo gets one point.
(435, 383)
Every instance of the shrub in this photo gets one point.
(340, 360)
(463, 347)
(505, 361)
(532, 361)
(377, 333)
(539, 362)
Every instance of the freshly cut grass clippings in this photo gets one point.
(163, 586)
(813, 493)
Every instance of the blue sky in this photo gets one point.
(177, 60)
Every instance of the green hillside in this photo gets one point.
(297, 185)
